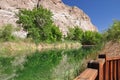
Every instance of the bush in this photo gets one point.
(91, 38)
(6, 33)
(113, 33)
(39, 25)
(70, 34)
(56, 34)
(75, 34)
(86, 38)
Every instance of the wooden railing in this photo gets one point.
(107, 67)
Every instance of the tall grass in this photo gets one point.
(26, 47)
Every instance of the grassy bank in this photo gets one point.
(21, 47)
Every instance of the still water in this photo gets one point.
(45, 65)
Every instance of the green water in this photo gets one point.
(46, 65)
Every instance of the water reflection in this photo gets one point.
(56, 64)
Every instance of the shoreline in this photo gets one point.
(20, 48)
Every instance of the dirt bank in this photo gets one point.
(111, 48)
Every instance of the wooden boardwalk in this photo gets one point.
(107, 67)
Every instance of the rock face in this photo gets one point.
(63, 16)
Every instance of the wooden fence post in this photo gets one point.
(107, 67)
(119, 69)
(99, 65)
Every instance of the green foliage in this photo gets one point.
(70, 34)
(39, 25)
(6, 33)
(113, 33)
(86, 38)
(75, 34)
(56, 34)
(91, 38)
(78, 33)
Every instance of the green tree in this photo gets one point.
(85, 37)
(39, 25)
(75, 34)
(70, 34)
(113, 33)
(56, 34)
(78, 34)
(91, 38)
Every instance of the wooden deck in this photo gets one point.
(107, 67)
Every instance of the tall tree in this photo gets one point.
(39, 25)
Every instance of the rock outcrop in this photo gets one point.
(64, 16)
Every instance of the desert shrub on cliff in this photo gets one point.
(39, 25)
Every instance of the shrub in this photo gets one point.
(70, 34)
(75, 34)
(113, 33)
(78, 34)
(6, 33)
(39, 25)
(91, 38)
(56, 34)
(86, 38)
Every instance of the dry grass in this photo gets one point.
(22, 48)
(10, 48)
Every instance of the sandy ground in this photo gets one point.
(111, 49)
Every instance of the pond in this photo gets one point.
(45, 65)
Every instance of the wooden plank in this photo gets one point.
(111, 70)
(114, 69)
(99, 65)
(112, 57)
(88, 74)
(107, 67)
(101, 68)
(94, 64)
(119, 69)
(107, 70)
